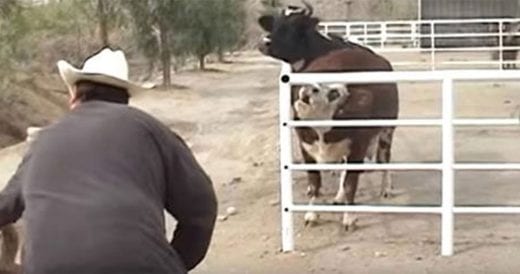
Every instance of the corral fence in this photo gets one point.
(434, 38)
(447, 166)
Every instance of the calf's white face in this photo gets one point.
(320, 102)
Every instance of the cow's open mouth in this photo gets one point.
(263, 49)
(263, 46)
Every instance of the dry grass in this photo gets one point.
(32, 101)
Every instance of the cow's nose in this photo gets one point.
(266, 40)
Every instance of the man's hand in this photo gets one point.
(10, 243)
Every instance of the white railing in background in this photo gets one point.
(406, 37)
(447, 166)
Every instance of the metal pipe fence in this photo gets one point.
(434, 37)
(447, 166)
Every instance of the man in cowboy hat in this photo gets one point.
(93, 186)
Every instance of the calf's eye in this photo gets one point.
(333, 95)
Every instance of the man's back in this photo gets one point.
(95, 191)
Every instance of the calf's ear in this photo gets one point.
(266, 22)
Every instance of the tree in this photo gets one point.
(270, 6)
(32, 40)
(152, 26)
(233, 21)
(109, 16)
(102, 14)
(12, 30)
(209, 26)
(7, 7)
(271, 3)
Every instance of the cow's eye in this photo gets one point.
(315, 90)
(333, 95)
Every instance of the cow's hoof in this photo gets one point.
(350, 228)
(390, 193)
(369, 160)
(386, 194)
(349, 222)
(311, 218)
(339, 200)
(311, 192)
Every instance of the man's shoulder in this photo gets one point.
(110, 113)
(119, 113)
(125, 112)
(154, 125)
(159, 131)
(140, 114)
(144, 118)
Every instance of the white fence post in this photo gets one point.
(286, 197)
(384, 32)
(365, 34)
(447, 167)
(413, 33)
(500, 45)
(432, 46)
(326, 28)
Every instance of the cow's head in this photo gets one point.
(320, 102)
(288, 32)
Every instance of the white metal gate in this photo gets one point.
(447, 166)
(404, 36)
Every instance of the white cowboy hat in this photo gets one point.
(106, 67)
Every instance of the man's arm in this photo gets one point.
(192, 201)
(11, 201)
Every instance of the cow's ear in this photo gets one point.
(266, 22)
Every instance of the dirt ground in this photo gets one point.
(229, 118)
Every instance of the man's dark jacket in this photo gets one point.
(93, 188)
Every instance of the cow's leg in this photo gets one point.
(351, 183)
(340, 198)
(313, 188)
(372, 150)
(311, 217)
(508, 57)
(358, 152)
(384, 151)
(313, 191)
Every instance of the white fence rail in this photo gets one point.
(447, 166)
(412, 36)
